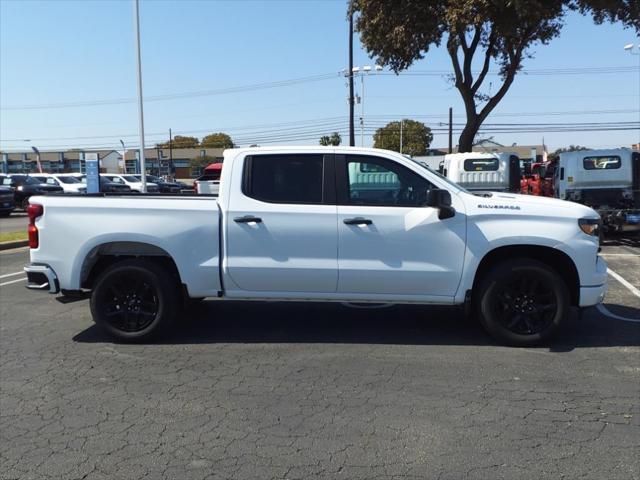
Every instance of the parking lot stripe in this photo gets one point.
(11, 274)
(631, 288)
(619, 255)
(13, 281)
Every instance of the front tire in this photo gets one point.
(522, 302)
(135, 300)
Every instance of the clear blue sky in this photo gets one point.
(61, 52)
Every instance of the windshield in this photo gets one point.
(69, 180)
(457, 187)
(131, 178)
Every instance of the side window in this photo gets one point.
(116, 179)
(295, 178)
(601, 163)
(379, 182)
(52, 181)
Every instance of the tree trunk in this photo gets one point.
(465, 142)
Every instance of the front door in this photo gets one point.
(281, 228)
(389, 242)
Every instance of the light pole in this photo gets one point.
(362, 72)
(124, 158)
(629, 48)
(37, 152)
(143, 170)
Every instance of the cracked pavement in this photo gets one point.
(273, 390)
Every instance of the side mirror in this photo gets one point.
(441, 199)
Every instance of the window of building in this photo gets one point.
(284, 178)
(601, 163)
(379, 182)
(481, 164)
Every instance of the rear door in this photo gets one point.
(389, 242)
(281, 226)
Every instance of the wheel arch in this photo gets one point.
(554, 258)
(102, 256)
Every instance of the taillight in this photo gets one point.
(34, 211)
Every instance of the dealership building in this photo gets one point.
(180, 162)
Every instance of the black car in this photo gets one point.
(108, 186)
(7, 202)
(25, 187)
(164, 186)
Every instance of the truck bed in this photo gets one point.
(184, 227)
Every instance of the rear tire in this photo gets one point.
(522, 302)
(135, 300)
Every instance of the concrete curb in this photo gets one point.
(16, 244)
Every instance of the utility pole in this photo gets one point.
(401, 137)
(450, 130)
(143, 167)
(352, 137)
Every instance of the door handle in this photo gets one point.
(357, 221)
(247, 219)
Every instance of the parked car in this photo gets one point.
(291, 224)
(7, 202)
(132, 181)
(163, 186)
(108, 186)
(495, 172)
(69, 183)
(25, 186)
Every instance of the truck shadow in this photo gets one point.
(277, 322)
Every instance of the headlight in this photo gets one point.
(590, 226)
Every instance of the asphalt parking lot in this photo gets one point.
(273, 390)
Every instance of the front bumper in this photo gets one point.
(593, 294)
(41, 277)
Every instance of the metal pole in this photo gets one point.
(400, 136)
(37, 152)
(124, 158)
(143, 169)
(352, 138)
(170, 155)
(362, 109)
(450, 130)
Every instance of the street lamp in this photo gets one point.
(629, 48)
(37, 152)
(365, 70)
(124, 158)
(136, 13)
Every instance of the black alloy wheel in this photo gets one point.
(522, 302)
(130, 303)
(135, 299)
(524, 305)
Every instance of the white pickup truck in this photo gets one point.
(315, 224)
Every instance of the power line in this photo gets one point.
(307, 79)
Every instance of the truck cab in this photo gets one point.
(605, 180)
(496, 172)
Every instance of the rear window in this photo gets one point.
(601, 163)
(481, 164)
(284, 178)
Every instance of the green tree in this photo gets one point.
(571, 148)
(416, 137)
(180, 141)
(334, 139)
(217, 140)
(475, 32)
